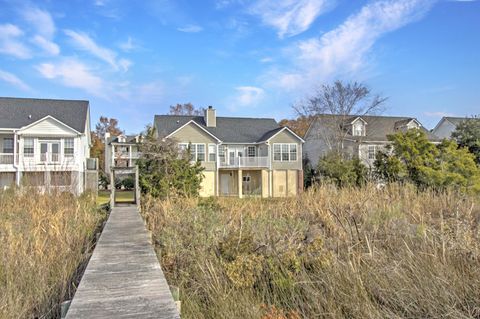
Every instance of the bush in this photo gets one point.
(412, 157)
(128, 183)
(343, 172)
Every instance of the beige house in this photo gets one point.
(241, 156)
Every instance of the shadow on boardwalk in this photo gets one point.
(123, 278)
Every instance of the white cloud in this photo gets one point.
(41, 20)
(73, 73)
(266, 59)
(344, 50)
(10, 43)
(248, 95)
(191, 28)
(48, 46)
(84, 42)
(14, 80)
(290, 17)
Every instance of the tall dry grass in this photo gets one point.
(44, 238)
(329, 253)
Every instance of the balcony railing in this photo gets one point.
(248, 162)
(6, 158)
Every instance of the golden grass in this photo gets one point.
(44, 238)
(329, 253)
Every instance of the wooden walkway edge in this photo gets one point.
(123, 278)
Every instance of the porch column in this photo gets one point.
(240, 180)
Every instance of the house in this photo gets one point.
(447, 126)
(45, 143)
(241, 156)
(121, 151)
(361, 136)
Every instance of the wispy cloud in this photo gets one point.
(40, 19)
(345, 49)
(85, 42)
(290, 17)
(191, 28)
(13, 80)
(73, 73)
(246, 96)
(10, 42)
(44, 27)
(128, 45)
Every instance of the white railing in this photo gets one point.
(6, 158)
(238, 162)
(49, 159)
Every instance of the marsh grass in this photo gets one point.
(328, 253)
(45, 239)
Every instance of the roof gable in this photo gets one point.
(48, 126)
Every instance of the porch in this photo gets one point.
(240, 183)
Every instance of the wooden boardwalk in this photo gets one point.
(123, 278)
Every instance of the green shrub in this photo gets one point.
(343, 172)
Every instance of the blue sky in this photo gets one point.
(132, 59)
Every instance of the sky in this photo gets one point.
(133, 59)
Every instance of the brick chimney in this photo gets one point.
(210, 117)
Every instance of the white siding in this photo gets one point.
(49, 128)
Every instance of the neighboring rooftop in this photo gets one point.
(129, 139)
(377, 127)
(457, 120)
(16, 113)
(227, 129)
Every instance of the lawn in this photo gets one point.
(122, 196)
(328, 253)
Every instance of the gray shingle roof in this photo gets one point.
(228, 129)
(19, 112)
(129, 139)
(377, 127)
(457, 120)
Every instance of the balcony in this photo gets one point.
(7, 158)
(245, 162)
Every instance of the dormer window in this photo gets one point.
(358, 128)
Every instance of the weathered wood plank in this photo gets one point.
(123, 278)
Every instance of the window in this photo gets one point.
(285, 152)
(358, 129)
(293, 152)
(372, 150)
(277, 152)
(212, 152)
(221, 153)
(28, 149)
(200, 152)
(68, 147)
(251, 151)
(8, 145)
(197, 151)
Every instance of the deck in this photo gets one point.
(123, 278)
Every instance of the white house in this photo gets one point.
(45, 143)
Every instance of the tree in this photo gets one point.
(411, 157)
(103, 126)
(467, 134)
(185, 109)
(164, 170)
(341, 100)
(299, 125)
